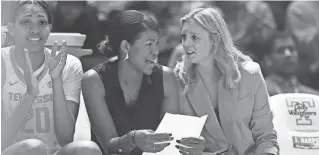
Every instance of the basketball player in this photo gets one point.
(40, 88)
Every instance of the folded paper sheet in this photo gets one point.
(180, 126)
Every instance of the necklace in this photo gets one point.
(125, 88)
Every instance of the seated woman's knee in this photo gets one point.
(33, 146)
(81, 148)
(26, 147)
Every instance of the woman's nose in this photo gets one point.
(187, 42)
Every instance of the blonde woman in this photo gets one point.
(219, 81)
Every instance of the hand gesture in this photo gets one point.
(149, 141)
(30, 80)
(57, 60)
(194, 146)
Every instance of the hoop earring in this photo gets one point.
(125, 57)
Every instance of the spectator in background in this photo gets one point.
(282, 62)
(161, 9)
(106, 10)
(303, 24)
(6, 38)
(78, 17)
(5, 12)
(279, 9)
(251, 24)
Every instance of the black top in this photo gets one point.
(144, 113)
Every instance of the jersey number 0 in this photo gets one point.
(42, 120)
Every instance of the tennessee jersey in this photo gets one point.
(40, 121)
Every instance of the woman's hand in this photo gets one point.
(57, 61)
(149, 141)
(192, 146)
(30, 79)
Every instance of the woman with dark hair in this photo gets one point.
(127, 96)
(40, 88)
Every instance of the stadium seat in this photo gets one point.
(296, 120)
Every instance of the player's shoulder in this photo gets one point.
(71, 59)
(5, 50)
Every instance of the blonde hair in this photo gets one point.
(227, 57)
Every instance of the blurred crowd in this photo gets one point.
(282, 36)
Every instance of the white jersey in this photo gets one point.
(40, 121)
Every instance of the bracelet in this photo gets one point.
(119, 145)
(133, 139)
(130, 140)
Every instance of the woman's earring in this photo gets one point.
(126, 56)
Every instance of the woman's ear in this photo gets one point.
(215, 38)
(125, 46)
(124, 49)
(50, 26)
(216, 43)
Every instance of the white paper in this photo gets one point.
(180, 126)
